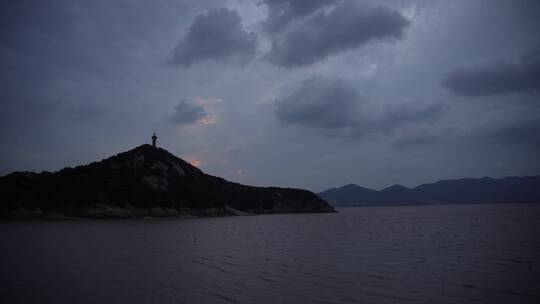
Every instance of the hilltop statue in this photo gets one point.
(154, 139)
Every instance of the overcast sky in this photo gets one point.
(297, 93)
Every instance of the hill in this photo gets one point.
(145, 181)
(458, 191)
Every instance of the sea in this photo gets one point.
(486, 253)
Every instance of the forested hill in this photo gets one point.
(145, 181)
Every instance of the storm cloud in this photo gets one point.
(526, 132)
(283, 12)
(321, 102)
(218, 34)
(346, 26)
(335, 106)
(520, 127)
(187, 113)
(497, 77)
(414, 111)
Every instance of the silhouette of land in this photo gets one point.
(145, 181)
(458, 191)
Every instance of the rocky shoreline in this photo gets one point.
(101, 211)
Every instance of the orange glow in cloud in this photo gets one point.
(195, 162)
(208, 104)
(209, 120)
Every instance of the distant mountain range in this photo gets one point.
(145, 181)
(457, 191)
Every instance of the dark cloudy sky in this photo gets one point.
(299, 93)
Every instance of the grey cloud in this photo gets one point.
(218, 34)
(412, 123)
(320, 102)
(497, 77)
(88, 114)
(337, 109)
(417, 139)
(524, 132)
(282, 12)
(297, 7)
(413, 111)
(187, 113)
(420, 135)
(347, 26)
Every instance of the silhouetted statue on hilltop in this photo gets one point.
(154, 139)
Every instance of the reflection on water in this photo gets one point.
(436, 254)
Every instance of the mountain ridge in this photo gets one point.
(510, 189)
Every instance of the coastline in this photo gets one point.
(103, 211)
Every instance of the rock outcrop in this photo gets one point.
(145, 181)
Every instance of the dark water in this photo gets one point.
(431, 254)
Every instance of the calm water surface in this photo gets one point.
(428, 254)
